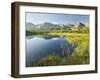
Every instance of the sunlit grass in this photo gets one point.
(79, 56)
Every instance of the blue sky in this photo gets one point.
(38, 18)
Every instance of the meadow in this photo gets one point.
(80, 54)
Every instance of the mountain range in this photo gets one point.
(47, 25)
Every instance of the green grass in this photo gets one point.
(79, 56)
(80, 39)
(42, 32)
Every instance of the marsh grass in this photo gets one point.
(79, 56)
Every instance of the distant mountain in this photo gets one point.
(47, 25)
(30, 26)
(81, 25)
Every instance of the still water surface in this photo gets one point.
(38, 47)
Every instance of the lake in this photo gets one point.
(38, 47)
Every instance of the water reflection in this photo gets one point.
(41, 46)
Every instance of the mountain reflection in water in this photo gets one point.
(38, 47)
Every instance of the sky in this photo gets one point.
(38, 18)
